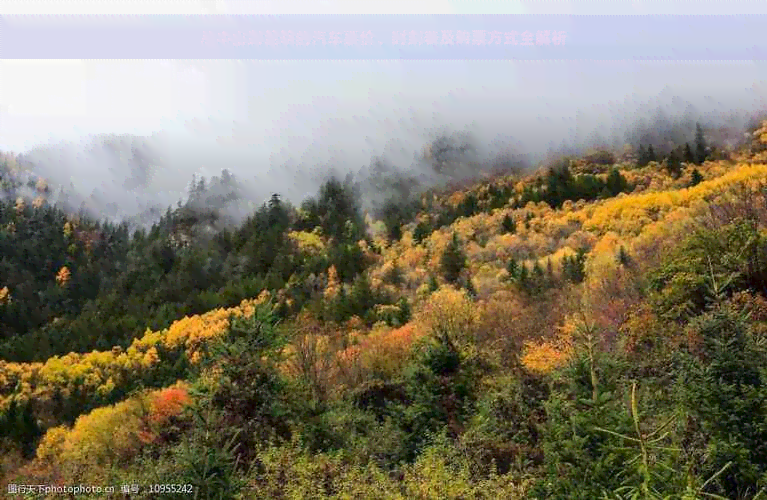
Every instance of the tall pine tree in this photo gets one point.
(696, 178)
(689, 157)
(509, 225)
(651, 154)
(700, 145)
(674, 164)
(453, 260)
(642, 156)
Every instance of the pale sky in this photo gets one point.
(592, 7)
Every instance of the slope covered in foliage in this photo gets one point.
(597, 329)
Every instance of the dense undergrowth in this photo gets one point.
(598, 330)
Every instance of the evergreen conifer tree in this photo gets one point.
(689, 157)
(674, 164)
(651, 154)
(623, 257)
(538, 278)
(509, 225)
(616, 183)
(642, 156)
(696, 178)
(513, 268)
(549, 270)
(700, 145)
(453, 260)
(404, 313)
(433, 284)
(421, 231)
(524, 277)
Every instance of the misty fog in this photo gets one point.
(121, 137)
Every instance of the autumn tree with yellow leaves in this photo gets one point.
(5, 296)
(63, 277)
(450, 316)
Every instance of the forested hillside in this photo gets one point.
(593, 329)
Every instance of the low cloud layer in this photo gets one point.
(284, 126)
